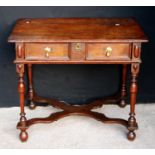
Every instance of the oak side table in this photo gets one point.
(77, 41)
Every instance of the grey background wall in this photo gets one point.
(75, 83)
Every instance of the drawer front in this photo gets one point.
(36, 51)
(78, 51)
(105, 51)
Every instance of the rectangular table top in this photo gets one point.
(77, 29)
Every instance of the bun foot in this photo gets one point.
(122, 103)
(131, 135)
(32, 105)
(23, 136)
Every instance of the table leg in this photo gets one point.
(30, 88)
(132, 125)
(21, 90)
(122, 102)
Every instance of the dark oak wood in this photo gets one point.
(123, 89)
(78, 41)
(34, 51)
(97, 51)
(77, 29)
(21, 90)
(30, 87)
(133, 94)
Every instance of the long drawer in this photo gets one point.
(77, 51)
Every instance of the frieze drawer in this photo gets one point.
(108, 51)
(46, 51)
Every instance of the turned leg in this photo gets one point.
(122, 102)
(21, 89)
(132, 125)
(30, 88)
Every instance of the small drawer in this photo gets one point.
(77, 51)
(47, 51)
(108, 51)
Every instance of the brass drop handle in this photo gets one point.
(108, 51)
(47, 51)
(78, 47)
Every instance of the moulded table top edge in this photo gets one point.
(77, 30)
